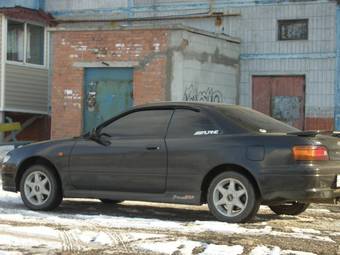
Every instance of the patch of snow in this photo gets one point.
(10, 252)
(319, 210)
(29, 236)
(93, 237)
(186, 247)
(213, 249)
(264, 250)
(306, 230)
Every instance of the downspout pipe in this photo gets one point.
(337, 78)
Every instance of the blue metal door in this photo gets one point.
(108, 92)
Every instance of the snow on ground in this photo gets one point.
(264, 250)
(186, 247)
(10, 253)
(76, 229)
(143, 223)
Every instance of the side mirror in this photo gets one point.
(93, 133)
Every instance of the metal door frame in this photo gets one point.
(278, 76)
(84, 86)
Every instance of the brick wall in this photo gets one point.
(148, 48)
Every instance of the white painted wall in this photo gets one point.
(263, 54)
(195, 74)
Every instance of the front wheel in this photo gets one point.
(40, 189)
(232, 198)
(294, 208)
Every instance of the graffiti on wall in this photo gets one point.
(209, 94)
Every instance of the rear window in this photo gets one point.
(254, 121)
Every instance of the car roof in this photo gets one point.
(183, 104)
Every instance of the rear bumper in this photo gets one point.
(306, 183)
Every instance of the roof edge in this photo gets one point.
(154, 27)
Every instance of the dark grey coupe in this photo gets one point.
(230, 157)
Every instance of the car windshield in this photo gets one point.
(255, 121)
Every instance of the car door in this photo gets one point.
(135, 159)
(192, 139)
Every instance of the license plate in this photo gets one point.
(338, 181)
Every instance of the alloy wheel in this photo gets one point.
(230, 197)
(37, 188)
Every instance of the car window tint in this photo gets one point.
(147, 123)
(248, 119)
(187, 123)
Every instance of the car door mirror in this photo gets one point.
(99, 137)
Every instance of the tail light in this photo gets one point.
(310, 153)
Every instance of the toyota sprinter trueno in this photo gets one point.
(231, 157)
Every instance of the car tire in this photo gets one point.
(110, 201)
(234, 204)
(40, 188)
(294, 208)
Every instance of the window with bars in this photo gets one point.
(293, 29)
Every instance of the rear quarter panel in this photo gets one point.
(191, 159)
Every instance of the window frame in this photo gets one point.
(123, 115)
(204, 114)
(45, 49)
(282, 22)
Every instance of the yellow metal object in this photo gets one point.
(7, 127)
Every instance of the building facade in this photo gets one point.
(289, 61)
(98, 74)
(24, 71)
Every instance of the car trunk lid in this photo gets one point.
(329, 139)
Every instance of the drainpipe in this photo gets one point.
(2, 120)
(40, 4)
(337, 78)
(211, 6)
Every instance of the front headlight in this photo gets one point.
(6, 158)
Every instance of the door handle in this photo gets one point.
(153, 148)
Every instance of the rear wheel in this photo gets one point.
(110, 201)
(293, 208)
(232, 198)
(40, 189)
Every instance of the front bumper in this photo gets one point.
(8, 173)
(307, 183)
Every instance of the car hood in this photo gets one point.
(45, 148)
(50, 142)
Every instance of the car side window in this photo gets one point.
(146, 123)
(188, 123)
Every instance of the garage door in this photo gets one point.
(282, 97)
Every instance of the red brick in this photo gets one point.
(148, 81)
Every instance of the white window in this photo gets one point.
(15, 41)
(25, 43)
